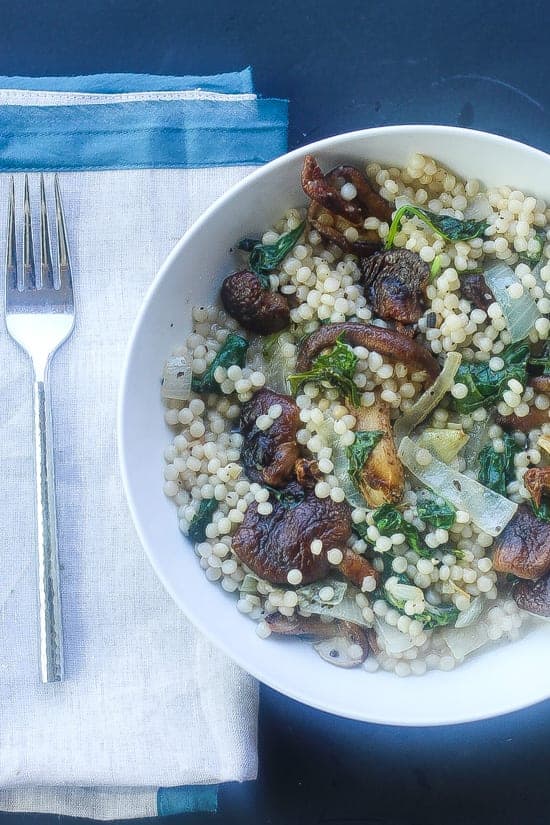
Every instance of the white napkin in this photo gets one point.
(146, 701)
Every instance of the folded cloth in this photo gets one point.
(147, 703)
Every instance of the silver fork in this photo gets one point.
(40, 317)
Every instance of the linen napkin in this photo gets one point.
(150, 718)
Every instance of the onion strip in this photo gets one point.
(488, 510)
(430, 398)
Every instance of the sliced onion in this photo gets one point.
(488, 510)
(393, 640)
(277, 367)
(403, 592)
(479, 209)
(176, 378)
(520, 313)
(472, 614)
(336, 651)
(479, 435)
(465, 640)
(444, 443)
(347, 610)
(249, 585)
(430, 398)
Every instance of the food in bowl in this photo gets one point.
(361, 428)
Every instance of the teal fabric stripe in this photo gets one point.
(187, 799)
(147, 134)
(230, 83)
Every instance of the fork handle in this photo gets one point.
(51, 634)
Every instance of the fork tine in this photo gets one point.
(29, 274)
(11, 250)
(46, 266)
(65, 277)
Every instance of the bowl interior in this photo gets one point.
(499, 680)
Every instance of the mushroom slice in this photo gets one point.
(333, 228)
(475, 290)
(357, 568)
(395, 283)
(344, 644)
(534, 419)
(269, 455)
(523, 547)
(534, 596)
(307, 472)
(537, 481)
(273, 545)
(255, 308)
(382, 478)
(387, 342)
(324, 190)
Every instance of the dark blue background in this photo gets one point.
(343, 65)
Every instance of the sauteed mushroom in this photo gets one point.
(534, 596)
(523, 547)
(387, 342)
(395, 282)
(332, 215)
(347, 645)
(271, 546)
(382, 478)
(535, 418)
(537, 481)
(269, 455)
(475, 290)
(255, 308)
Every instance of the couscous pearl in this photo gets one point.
(294, 577)
(335, 555)
(423, 457)
(369, 584)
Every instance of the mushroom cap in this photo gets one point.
(395, 282)
(271, 546)
(269, 455)
(523, 547)
(255, 308)
(534, 596)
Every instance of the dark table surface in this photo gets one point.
(343, 66)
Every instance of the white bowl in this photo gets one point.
(502, 679)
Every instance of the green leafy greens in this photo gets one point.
(437, 512)
(232, 352)
(452, 229)
(496, 470)
(337, 368)
(358, 452)
(532, 258)
(389, 521)
(264, 258)
(485, 386)
(543, 509)
(201, 519)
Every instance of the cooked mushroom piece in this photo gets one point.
(382, 478)
(475, 290)
(523, 547)
(534, 596)
(534, 419)
(269, 455)
(273, 545)
(307, 472)
(540, 383)
(395, 283)
(255, 308)
(537, 482)
(344, 644)
(333, 228)
(388, 342)
(332, 215)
